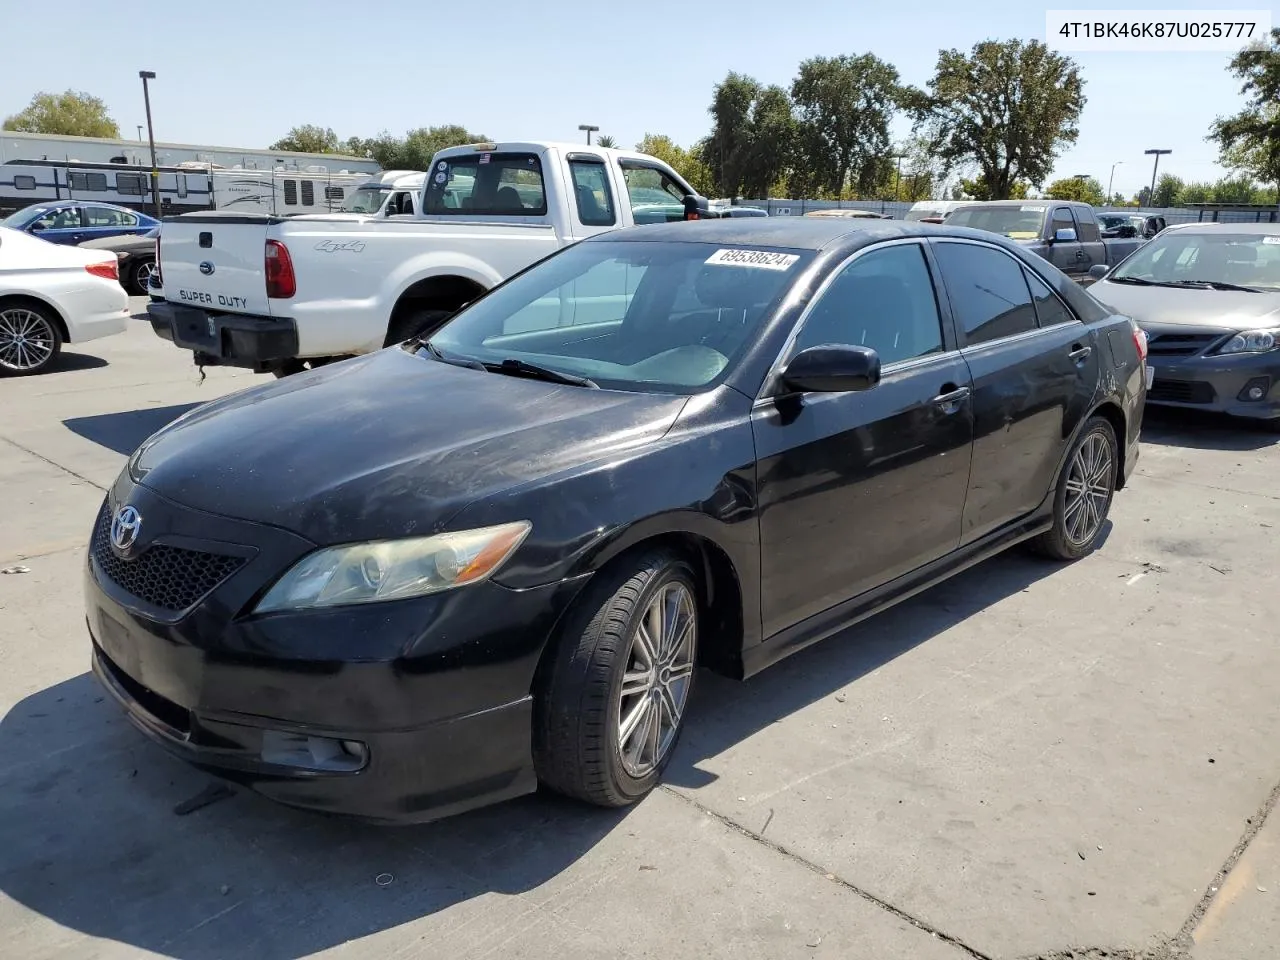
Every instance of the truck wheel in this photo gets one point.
(610, 701)
(414, 323)
(1083, 497)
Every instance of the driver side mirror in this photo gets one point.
(696, 207)
(832, 368)
(1098, 271)
(1064, 235)
(37, 227)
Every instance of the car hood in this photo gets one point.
(387, 445)
(1212, 309)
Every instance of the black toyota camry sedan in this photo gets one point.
(429, 578)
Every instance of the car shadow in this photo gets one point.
(1202, 430)
(124, 432)
(70, 362)
(91, 839)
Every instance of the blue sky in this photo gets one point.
(236, 75)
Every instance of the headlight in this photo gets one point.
(1252, 341)
(394, 569)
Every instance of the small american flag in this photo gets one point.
(484, 158)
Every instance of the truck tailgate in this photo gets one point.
(215, 261)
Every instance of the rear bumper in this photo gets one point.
(225, 339)
(1219, 384)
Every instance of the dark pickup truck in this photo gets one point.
(1063, 232)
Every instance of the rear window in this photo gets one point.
(487, 184)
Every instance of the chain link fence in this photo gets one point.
(897, 209)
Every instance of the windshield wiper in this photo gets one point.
(1213, 285)
(512, 366)
(1138, 280)
(436, 352)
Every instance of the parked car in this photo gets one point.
(278, 295)
(849, 213)
(1063, 232)
(137, 257)
(1129, 225)
(428, 578)
(390, 193)
(75, 221)
(932, 211)
(1208, 296)
(53, 295)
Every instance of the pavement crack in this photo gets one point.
(812, 867)
(53, 463)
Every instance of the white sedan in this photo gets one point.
(52, 294)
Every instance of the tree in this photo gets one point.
(843, 106)
(687, 163)
(1167, 189)
(413, 151)
(1084, 189)
(1118, 200)
(1008, 107)
(1249, 141)
(308, 138)
(68, 114)
(978, 189)
(1238, 189)
(1194, 193)
(771, 142)
(606, 141)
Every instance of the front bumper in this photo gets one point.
(398, 712)
(225, 339)
(1219, 384)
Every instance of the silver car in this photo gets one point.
(1208, 297)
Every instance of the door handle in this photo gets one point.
(1079, 254)
(1079, 354)
(951, 397)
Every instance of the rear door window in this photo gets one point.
(592, 194)
(988, 292)
(487, 184)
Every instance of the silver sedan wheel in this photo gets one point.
(1089, 486)
(655, 685)
(26, 340)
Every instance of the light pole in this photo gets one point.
(1112, 179)
(155, 172)
(590, 129)
(1151, 198)
(139, 131)
(897, 184)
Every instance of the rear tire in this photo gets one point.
(610, 701)
(1083, 496)
(140, 277)
(415, 323)
(30, 338)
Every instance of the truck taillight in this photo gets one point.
(281, 283)
(108, 271)
(158, 277)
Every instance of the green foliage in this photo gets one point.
(687, 163)
(606, 141)
(1168, 189)
(752, 137)
(415, 149)
(1084, 189)
(1249, 141)
(308, 138)
(68, 114)
(843, 106)
(1007, 107)
(978, 189)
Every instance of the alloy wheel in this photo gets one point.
(655, 684)
(146, 270)
(1089, 485)
(27, 340)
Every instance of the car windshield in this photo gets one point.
(365, 200)
(1020, 223)
(1241, 259)
(1111, 220)
(23, 217)
(650, 316)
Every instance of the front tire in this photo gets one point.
(30, 339)
(611, 699)
(1083, 496)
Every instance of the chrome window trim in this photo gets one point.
(776, 366)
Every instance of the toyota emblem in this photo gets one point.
(125, 527)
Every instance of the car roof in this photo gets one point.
(1262, 229)
(800, 233)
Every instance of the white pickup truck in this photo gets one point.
(278, 295)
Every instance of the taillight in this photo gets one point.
(281, 283)
(157, 278)
(1140, 341)
(108, 271)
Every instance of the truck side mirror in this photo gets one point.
(1064, 235)
(696, 207)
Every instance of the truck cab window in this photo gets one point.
(492, 184)
(654, 196)
(591, 189)
(1087, 227)
(1063, 220)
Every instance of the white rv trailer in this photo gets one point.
(186, 188)
(137, 153)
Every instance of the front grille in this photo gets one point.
(171, 578)
(1180, 344)
(1181, 391)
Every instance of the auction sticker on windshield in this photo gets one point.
(759, 259)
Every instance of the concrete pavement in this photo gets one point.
(1029, 760)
